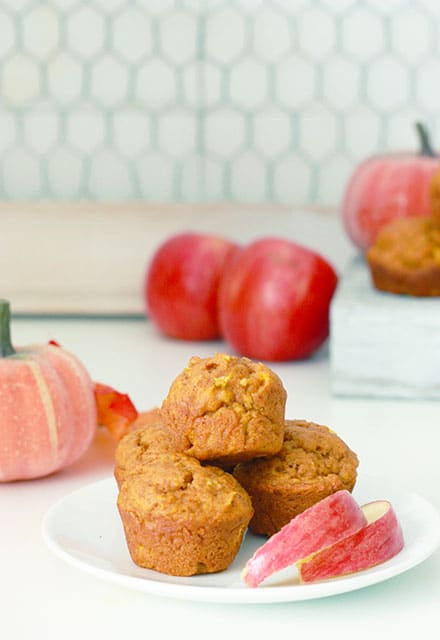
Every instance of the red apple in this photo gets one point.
(378, 541)
(386, 187)
(181, 285)
(321, 525)
(274, 300)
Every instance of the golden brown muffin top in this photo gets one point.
(134, 447)
(310, 451)
(224, 379)
(176, 486)
(227, 397)
(410, 243)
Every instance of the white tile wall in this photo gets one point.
(211, 100)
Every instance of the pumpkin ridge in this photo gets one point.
(47, 403)
(78, 369)
(84, 382)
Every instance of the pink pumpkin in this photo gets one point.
(48, 414)
(386, 187)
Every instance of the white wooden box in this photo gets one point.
(383, 344)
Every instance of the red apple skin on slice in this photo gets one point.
(380, 540)
(321, 525)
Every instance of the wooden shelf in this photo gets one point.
(87, 258)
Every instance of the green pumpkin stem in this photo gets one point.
(425, 142)
(6, 348)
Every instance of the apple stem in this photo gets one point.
(6, 348)
(425, 142)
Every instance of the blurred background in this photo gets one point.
(209, 101)
(125, 121)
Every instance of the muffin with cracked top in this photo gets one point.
(312, 464)
(226, 409)
(182, 518)
(405, 257)
(148, 436)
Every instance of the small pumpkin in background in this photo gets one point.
(48, 407)
(386, 187)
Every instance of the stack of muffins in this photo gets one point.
(217, 458)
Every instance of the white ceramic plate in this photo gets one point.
(85, 530)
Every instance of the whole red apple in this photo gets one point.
(386, 187)
(274, 300)
(181, 285)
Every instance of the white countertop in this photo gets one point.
(39, 593)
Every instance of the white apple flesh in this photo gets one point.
(379, 540)
(319, 526)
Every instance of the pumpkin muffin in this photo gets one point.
(182, 518)
(226, 409)
(145, 418)
(135, 448)
(405, 258)
(312, 464)
(434, 195)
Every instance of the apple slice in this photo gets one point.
(319, 526)
(378, 541)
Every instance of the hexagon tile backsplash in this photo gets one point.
(192, 100)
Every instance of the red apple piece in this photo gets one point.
(378, 541)
(116, 411)
(319, 526)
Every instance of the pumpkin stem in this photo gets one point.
(425, 142)
(6, 348)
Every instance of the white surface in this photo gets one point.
(383, 344)
(41, 594)
(85, 530)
